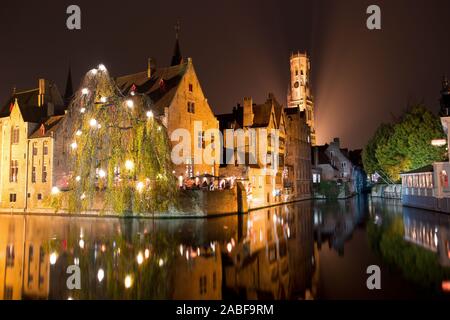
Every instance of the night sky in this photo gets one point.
(241, 48)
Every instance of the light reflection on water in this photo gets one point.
(307, 250)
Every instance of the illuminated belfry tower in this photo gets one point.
(299, 92)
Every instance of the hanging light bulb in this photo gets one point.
(55, 190)
(128, 281)
(149, 114)
(73, 145)
(130, 103)
(140, 186)
(140, 258)
(53, 258)
(83, 110)
(101, 173)
(84, 91)
(103, 99)
(129, 165)
(78, 133)
(100, 275)
(83, 196)
(93, 123)
(77, 178)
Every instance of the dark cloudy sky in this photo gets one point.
(241, 48)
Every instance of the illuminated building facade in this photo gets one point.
(291, 179)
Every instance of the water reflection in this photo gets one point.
(277, 253)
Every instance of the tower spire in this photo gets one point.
(177, 58)
(68, 94)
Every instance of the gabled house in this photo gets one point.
(26, 113)
(179, 102)
(264, 181)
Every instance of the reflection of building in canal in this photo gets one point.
(335, 221)
(429, 231)
(36, 251)
(11, 258)
(30, 260)
(275, 258)
(198, 278)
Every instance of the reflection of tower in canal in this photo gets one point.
(335, 221)
(275, 259)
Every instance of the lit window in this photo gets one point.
(201, 139)
(14, 171)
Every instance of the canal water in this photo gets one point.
(306, 250)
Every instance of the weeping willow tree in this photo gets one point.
(119, 154)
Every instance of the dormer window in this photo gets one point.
(191, 87)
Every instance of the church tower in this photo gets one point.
(299, 93)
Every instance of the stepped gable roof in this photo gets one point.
(160, 87)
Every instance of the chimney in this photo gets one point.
(337, 142)
(248, 112)
(41, 92)
(151, 67)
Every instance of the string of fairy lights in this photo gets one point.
(107, 126)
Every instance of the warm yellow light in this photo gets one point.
(73, 145)
(438, 142)
(55, 190)
(81, 243)
(77, 178)
(78, 133)
(149, 114)
(100, 275)
(101, 67)
(94, 71)
(129, 165)
(83, 196)
(83, 110)
(85, 91)
(101, 173)
(161, 262)
(229, 247)
(128, 281)
(130, 103)
(93, 123)
(103, 99)
(147, 253)
(53, 258)
(140, 186)
(140, 258)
